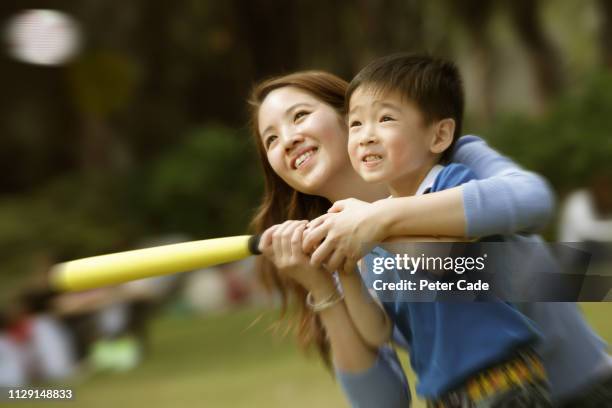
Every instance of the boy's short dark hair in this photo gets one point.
(433, 84)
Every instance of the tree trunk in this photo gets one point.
(544, 56)
(605, 35)
(391, 26)
(270, 28)
(475, 16)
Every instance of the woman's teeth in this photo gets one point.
(372, 157)
(302, 158)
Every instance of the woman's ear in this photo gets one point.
(443, 136)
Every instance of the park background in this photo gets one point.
(144, 134)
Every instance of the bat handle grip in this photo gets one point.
(254, 244)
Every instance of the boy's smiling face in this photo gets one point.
(389, 140)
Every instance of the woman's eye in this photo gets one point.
(269, 140)
(299, 115)
(386, 118)
(355, 123)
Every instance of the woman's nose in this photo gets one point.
(291, 139)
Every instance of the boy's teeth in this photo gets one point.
(303, 157)
(372, 157)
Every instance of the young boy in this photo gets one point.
(405, 113)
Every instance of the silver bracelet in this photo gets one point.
(325, 303)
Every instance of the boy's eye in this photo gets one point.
(299, 114)
(269, 141)
(386, 118)
(355, 123)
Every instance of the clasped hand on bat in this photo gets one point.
(333, 241)
(282, 245)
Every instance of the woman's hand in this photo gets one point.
(337, 239)
(282, 245)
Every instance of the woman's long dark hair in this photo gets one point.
(281, 202)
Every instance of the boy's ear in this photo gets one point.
(443, 136)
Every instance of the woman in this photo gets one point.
(298, 125)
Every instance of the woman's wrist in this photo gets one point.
(323, 289)
(353, 285)
(350, 278)
(383, 214)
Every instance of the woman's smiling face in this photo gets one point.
(304, 138)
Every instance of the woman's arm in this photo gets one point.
(368, 316)
(349, 352)
(369, 377)
(282, 245)
(338, 239)
(384, 384)
(506, 198)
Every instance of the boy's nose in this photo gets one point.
(367, 139)
(368, 136)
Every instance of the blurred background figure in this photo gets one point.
(37, 344)
(205, 291)
(586, 218)
(12, 359)
(50, 346)
(224, 287)
(587, 213)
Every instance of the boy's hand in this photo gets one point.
(336, 239)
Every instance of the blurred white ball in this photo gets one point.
(44, 37)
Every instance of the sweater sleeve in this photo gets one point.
(382, 385)
(506, 198)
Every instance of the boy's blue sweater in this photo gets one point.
(449, 342)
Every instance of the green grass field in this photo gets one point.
(217, 362)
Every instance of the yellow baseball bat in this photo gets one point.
(111, 269)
